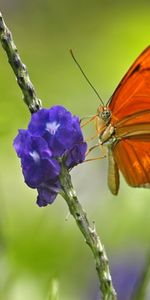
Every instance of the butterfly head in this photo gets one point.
(104, 113)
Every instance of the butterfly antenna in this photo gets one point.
(71, 52)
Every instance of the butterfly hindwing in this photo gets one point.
(133, 160)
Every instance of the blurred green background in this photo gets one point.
(43, 256)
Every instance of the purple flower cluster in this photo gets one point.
(52, 134)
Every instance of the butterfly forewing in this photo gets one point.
(133, 93)
(137, 124)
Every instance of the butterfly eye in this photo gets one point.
(105, 115)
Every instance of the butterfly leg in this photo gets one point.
(92, 148)
(103, 150)
(99, 157)
(95, 158)
(98, 131)
(87, 122)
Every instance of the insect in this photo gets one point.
(123, 125)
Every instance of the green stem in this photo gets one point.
(90, 235)
(20, 70)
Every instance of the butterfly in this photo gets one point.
(123, 125)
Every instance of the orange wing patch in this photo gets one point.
(133, 93)
(133, 160)
(137, 124)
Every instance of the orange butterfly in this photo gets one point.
(123, 125)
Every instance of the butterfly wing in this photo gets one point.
(135, 125)
(133, 93)
(132, 157)
(113, 173)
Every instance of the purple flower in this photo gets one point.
(52, 134)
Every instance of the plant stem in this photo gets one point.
(20, 70)
(90, 235)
